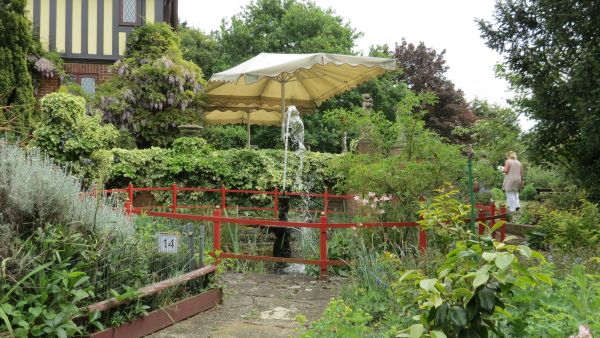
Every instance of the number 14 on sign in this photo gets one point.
(168, 243)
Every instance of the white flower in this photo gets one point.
(371, 194)
(385, 198)
(365, 202)
(381, 211)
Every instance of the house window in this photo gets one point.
(130, 12)
(88, 84)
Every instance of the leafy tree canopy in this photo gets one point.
(156, 90)
(201, 48)
(283, 26)
(424, 70)
(552, 60)
(16, 90)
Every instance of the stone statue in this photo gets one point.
(367, 103)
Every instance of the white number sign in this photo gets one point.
(168, 243)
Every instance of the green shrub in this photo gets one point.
(339, 320)
(226, 137)
(529, 193)
(568, 229)
(498, 195)
(67, 134)
(546, 178)
(557, 310)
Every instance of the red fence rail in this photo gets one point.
(323, 225)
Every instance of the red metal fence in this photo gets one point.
(217, 219)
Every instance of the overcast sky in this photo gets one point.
(441, 24)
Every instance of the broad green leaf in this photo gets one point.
(437, 301)
(489, 256)
(458, 316)
(525, 251)
(6, 321)
(543, 278)
(441, 314)
(437, 334)
(416, 330)
(428, 284)
(487, 299)
(480, 279)
(503, 260)
(35, 310)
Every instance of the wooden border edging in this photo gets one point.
(154, 288)
(162, 318)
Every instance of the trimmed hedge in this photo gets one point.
(193, 163)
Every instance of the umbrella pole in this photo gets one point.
(248, 123)
(284, 132)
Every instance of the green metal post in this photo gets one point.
(471, 188)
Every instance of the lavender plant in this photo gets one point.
(34, 191)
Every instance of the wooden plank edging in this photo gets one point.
(152, 289)
(162, 318)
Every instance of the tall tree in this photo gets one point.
(155, 90)
(552, 59)
(200, 48)
(424, 70)
(283, 26)
(16, 91)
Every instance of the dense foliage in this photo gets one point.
(69, 135)
(552, 60)
(283, 26)
(155, 91)
(62, 249)
(424, 70)
(16, 90)
(479, 288)
(192, 163)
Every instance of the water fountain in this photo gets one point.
(294, 134)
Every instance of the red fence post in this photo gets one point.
(174, 197)
(276, 203)
(480, 217)
(493, 220)
(422, 239)
(217, 233)
(223, 206)
(323, 245)
(503, 228)
(130, 193)
(326, 200)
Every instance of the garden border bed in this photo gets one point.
(165, 317)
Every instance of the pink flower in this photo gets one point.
(375, 199)
(373, 206)
(365, 202)
(356, 198)
(584, 332)
(385, 198)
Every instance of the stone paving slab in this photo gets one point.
(258, 305)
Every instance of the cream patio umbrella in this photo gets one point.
(254, 91)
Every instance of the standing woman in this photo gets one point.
(513, 181)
